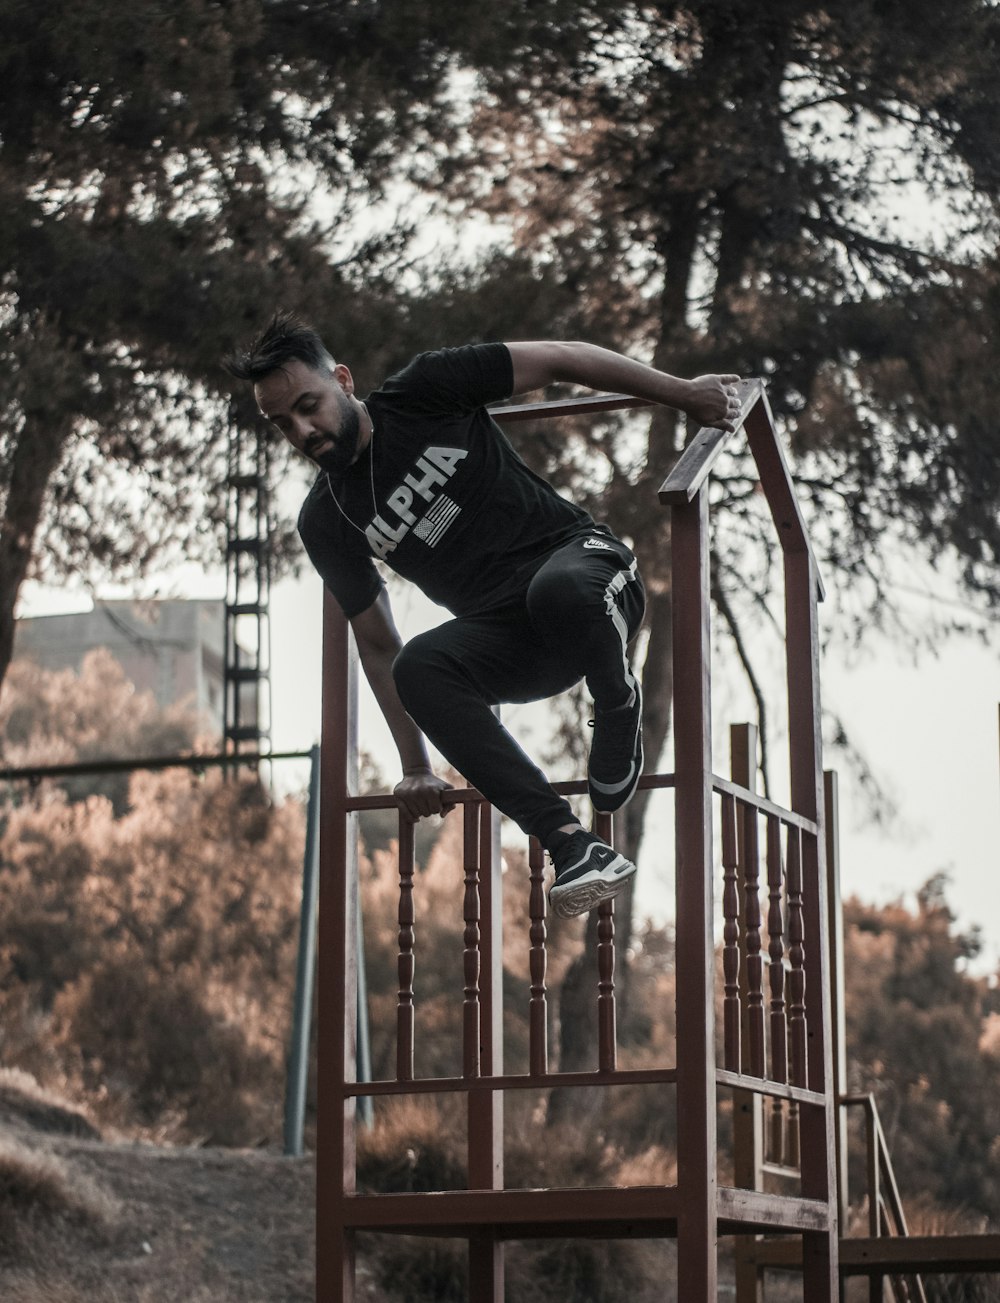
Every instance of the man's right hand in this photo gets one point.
(712, 401)
(422, 793)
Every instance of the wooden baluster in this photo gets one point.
(776, 953)
(538, 1052)
(776, 1131)
(607, 1049)
(405, 963)
(606, 1017)
(796, 956)
(792, 1148)
(470, 957)
(755, 962)
(776, 976)
(730, 937)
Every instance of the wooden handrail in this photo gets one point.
(885, 1206)
(701, 454)
(506, 413)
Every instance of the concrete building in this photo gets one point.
(174, 649)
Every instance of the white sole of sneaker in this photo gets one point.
(580, 896)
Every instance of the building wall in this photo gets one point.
(174, 649)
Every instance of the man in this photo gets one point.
(418, 475)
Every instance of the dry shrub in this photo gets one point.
(37, 1190)
(51, 717)
(654, 1166)
(157, 1055)
(417, 1269)
(147, 964)
(569, 1154)
(586, 1271)
(416, 1146)
(925, 1217)
(24, 1099)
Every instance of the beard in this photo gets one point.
(337, 459)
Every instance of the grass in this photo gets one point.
(38, 1191)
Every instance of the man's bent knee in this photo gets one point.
(422, 669)
(409, 671)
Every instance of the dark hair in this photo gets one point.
(285, 338)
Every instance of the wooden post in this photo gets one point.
(338, 1002)
(831, 803)
(748, 1124)
(820, 1251)
(697, 1179)
(485, 1107)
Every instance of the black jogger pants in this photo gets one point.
(582, 607)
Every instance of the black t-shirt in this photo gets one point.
(439, 494)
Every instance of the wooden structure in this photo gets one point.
(781, 1044)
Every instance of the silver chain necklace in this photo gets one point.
(371, 472)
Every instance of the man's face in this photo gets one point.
(315, 413)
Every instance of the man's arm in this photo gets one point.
(706, 398)
(378, 640)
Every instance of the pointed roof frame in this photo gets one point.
(696, 462)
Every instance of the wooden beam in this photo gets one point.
(887, 1255)
(696, 462)
(552, 1212)
(509, 413)
(337, 976)
(697, 1261)
(920, 1253)
(741, 1211)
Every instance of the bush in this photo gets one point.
(148, 961)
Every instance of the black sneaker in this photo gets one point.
(616, 755)
(587, 872)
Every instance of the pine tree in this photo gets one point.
(807, 193)
(169, 174)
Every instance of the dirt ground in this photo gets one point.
(84, 1219)
(87, 1219)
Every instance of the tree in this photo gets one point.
(921, 1037)
(168, 173)
(724, 186)
(149, 949)
(53, 717)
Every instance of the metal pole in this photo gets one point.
(298, 1057)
